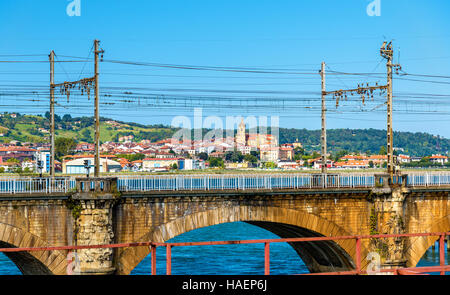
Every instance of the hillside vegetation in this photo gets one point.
(368, 140)
(28, 128)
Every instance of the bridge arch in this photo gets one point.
(286, 223)
(31, 263)
(419, 245)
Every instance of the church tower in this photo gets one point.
(240, 136)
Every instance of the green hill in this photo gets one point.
(363, 140)
(28, 128)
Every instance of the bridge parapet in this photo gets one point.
(96, 188)
(108, 187)
(384, 183)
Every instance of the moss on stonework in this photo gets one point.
(377, 244)
(371, 197)
(378, 185)
(116, 193)
(75, 207)
(373, 222)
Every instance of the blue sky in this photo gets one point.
(269, 34)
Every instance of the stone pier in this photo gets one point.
(93, 208)
(390, 194)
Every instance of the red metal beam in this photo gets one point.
(396, 271)
(169, 260)
(442, 252)
(153, 258)
(292, 240)
(407, 272)
(267, 258)
(61, 248)
(442, 268)
(156, 244)
(350, 272)
(358, 255)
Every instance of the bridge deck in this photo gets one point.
(226, 183)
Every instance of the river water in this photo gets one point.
(226, 259)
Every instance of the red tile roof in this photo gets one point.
(438, 157)
(161, 159)
(16, 149)
(352, 163)
(88, 156)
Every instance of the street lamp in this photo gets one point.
(87, 166)
(40, 166)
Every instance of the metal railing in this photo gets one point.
(243, 182)
(31, 185)
(428, 179)
(442, 268)
(211, 182)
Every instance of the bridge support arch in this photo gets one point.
(319, 256)
(31, 263)
(419, 245)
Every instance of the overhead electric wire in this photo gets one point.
(21, 55)
(39, 61)
(242, 100)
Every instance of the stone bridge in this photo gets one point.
(95, 211)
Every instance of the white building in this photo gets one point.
(288, 165)
(244, 149)
(152, 164)
(439, 159)
(269, 154)
(30, 164)
(191, 164)
(44, 156)
(77, 166)
(404, 158)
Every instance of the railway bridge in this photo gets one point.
(45, 212)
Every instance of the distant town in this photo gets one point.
(240, 152)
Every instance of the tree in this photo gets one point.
(270, 165)
(255, 153)
(86, 135)
(67, 118)
(234, 156)
(64, 146)
(382, 150)
(203, 156)
(57, 119)
(131, 157)
(299, 151)
(251, 159)
(340, 154)
(216, 162)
